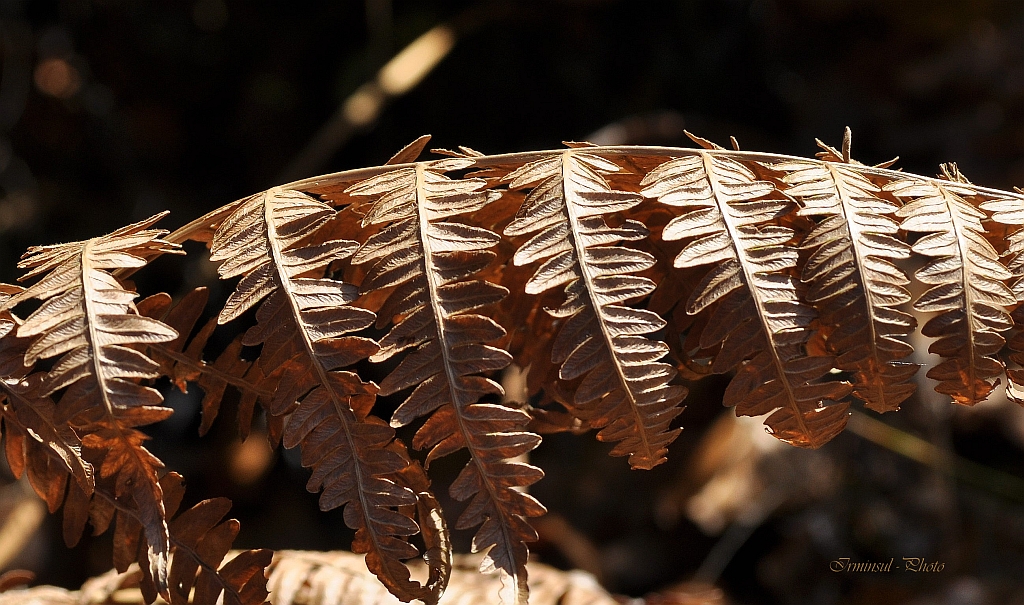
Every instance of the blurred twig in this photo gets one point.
(917, 449)
(737, 534)
(398, 76)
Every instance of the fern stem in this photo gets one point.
(627, 150)
(238, 382)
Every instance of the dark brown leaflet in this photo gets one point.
(35, 441)
(181, 360)
(201, 540)
(198, 540)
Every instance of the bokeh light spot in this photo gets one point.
(57, 78)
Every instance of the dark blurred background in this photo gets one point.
(113, 110)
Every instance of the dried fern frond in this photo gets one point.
(428, 259)
(198, 539)
(1008, 210)
(966, 285)
(760, 321)
(303, 324)
(853, 279)
(625, 390)
(201, 539)
(35, 442)
(714, 264)
(87, 321)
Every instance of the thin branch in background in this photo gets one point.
(917, 449)
(398, 76)
(737, 534)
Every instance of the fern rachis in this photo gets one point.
(427, 260)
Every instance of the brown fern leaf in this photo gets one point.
(303, 323)
(87, 321)
(182, 359)
(201, 540)
(427, 260)
(51, 461)
(760, 321)
(197, 541)
(852, 278)
(1008, 209)
(967, 288)
(33, 439)
(625, 391)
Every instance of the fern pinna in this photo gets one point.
(789, 273)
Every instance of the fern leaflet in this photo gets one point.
(427, 261)
(760, 320)
(853, 279)
(625, 390)
(303, 323)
